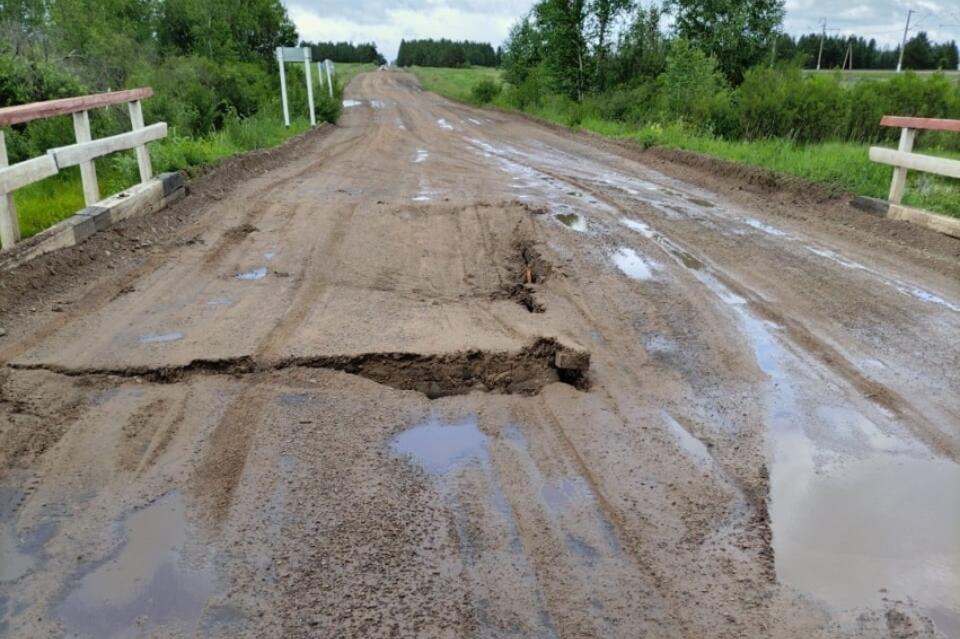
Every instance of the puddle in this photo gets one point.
(443, 124)
(422, 154)
(639, 227)
(160, 338)
(690, 444)
(351, 103)
(220, 301)
(707, 204)
(858, 514)
(573, 221)
(14, 562)
(560, 495)
(440, 447)
(632, 264)
(255, 274)
(269, 255)
(421, 198)
(885, 522)
(378, 104)
(766, 228)
(148, 584)
(475, 121)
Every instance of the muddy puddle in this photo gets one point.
(253, 274)
(633, 264)
(149, 584)
(465, 465)
(160, 338)
(862, 514)
(573, 221)
(439, 447)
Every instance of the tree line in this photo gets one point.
(446, 53)
(857, 52)
(722, 67)
(345, 52)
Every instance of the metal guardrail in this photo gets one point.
(83, 153)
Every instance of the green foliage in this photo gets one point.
(446, 53)
(692, 88)
(485, 91)
(735, 32)
(365, 52)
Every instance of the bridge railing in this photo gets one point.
(903, 159)
(82, 153)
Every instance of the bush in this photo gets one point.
(485, 91)
(693, 90)
(785, 103)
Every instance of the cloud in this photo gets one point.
(386, 22)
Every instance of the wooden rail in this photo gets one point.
(81, 154)
(904, 159)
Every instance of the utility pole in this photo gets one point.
(903, 45)
(823, 35)
(955, 16)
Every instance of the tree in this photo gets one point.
(605, 14)
(918, 54)
(562, 26)
(522, 52)
(735, 32)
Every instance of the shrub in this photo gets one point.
(485, 91)
(692, 89)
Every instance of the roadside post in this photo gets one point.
(295, 54)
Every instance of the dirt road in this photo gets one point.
(444, 372)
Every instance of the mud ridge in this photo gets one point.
(524, 372)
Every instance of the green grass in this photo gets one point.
(44, 203)
(877, 74)
(841, 166)
(453, 83)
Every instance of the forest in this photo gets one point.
(446, 53)
(365, 52)
(716, 70)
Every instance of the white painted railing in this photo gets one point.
(81, 154)
(903, 159)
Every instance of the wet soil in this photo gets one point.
(445, 372)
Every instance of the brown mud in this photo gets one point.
(446, 372)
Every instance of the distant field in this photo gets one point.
(868, 74)
(453, 83)
(837, 165)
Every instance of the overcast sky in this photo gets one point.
(386, 22)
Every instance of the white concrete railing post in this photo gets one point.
(306, 64)
(899, 183)
(143, 155)
(283, 88)
(9, 226)
(88, 172)
(326, 63)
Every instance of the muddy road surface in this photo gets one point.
(445, 372)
